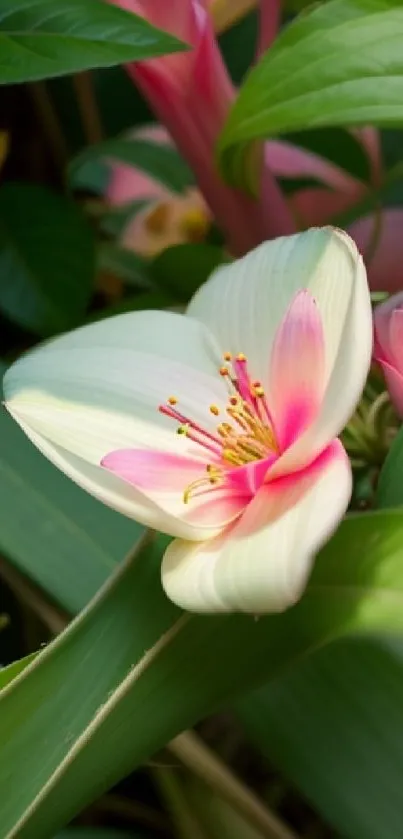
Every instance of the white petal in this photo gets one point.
(261, 563)
(97, 389)
(244, 303)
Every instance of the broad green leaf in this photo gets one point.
(97, 833)
(125, 264)
(47, 259)
(333, 726)
(135, 303)
(160, 161)
(390, 484)
(7, 674)
(48, 38)
(132, 670)
(338, 64)
(51, 530)
(182, 269)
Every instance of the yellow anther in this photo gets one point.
(172, 400)
(227, 356)
(241, 357)
(258, 390)
(214, 410)
(224, 371)
(195, 224)
(183, 429)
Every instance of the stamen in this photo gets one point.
(251, 436)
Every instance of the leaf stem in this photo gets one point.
(194, 754)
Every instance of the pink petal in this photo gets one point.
(385, 266)
(394, 381)
(249, 478)
(261, 562)
(297, 371)
(164, 477)
(384, 348)
(396, 337)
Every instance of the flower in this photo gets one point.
(167, 218)
(191, 93)
(388, 346)
(258, 379)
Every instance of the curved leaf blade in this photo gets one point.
(339, 64)
(132, 671)
(45, 38)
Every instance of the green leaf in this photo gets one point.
(132, 671)
(135, 303)
(52, 531)
(333, 726)
(160, 161)
(338, 64)
(182, 269)
(46, 259)
(125, 264)
(96, 833)
(389, 491)
(7, 674)
(48, 38)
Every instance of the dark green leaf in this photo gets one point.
(135, 303)
(125, 264)
(51, 530)
(45, 38)
(338, 64)
(390, 485)
(47, 259)
(182, 269)
(161, 162)
(333, 725)
(7, 674)
(133, 671)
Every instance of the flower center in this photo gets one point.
(249, 435)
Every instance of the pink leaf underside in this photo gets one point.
(394, 381)
(297, 370)
(388, 343)
(384, 266)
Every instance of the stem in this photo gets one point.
(270, 20)
(55, 619)
(184, 820)
(194, 754)
(88, 107)
(50, 124)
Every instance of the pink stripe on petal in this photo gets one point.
(148, 469)
(250, 477)
(164, 477)
(297, 370)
